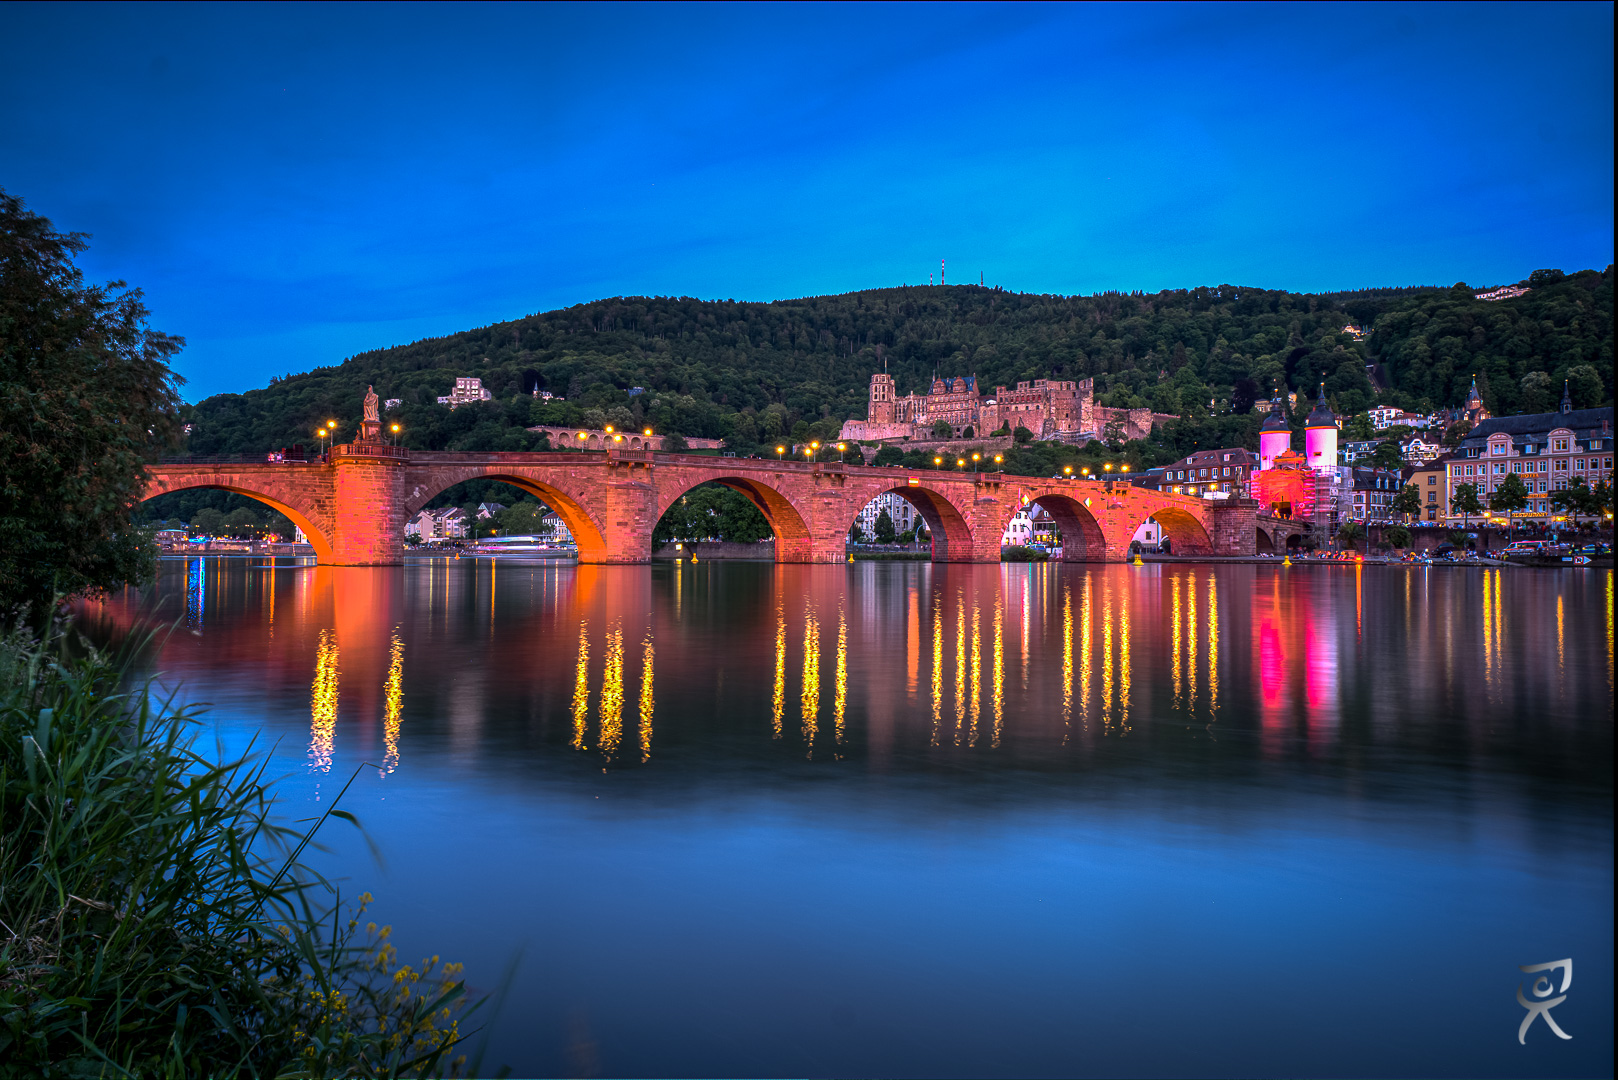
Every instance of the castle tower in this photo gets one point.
(1320, 435)
(1275, 437)
(880, 408)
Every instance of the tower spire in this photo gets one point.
(1567, 398)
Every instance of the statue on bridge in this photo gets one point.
(371, 426)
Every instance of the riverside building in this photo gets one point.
(1547, 450)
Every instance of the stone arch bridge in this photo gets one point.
(353, 505)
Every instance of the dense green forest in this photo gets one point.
(753, 373)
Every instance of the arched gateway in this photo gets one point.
(353, 505)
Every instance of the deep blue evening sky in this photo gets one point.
(294, 184)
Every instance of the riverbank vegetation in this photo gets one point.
(155, 918)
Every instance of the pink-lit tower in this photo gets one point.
(1320, 436)
(1275, 437)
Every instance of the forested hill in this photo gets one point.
(753, 372)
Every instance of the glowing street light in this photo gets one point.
(937, 462)
(1108, 466)
(609, 429)
(780, 451)
(648, 431)
(1067, 472)
(998, 458)
(840, 455)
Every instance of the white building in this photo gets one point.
(904, 515)
(445, 523)
(466, 391)
(1386, 416)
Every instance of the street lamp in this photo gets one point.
(960, 463)
(648, 431)
(780, 452)
(937, 462)
(998, 458)
(975, 459)
(1067, 472)
(840, 455)
(1108, 466)
(395, 430)
(1125, 468)
(609, 429)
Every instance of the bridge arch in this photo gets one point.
(1082, 536)
(1266, 544)
(315, 530)
(793, 540)
(1185, 531)
(587, 532)
(947, 529)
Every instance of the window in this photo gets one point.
(1559, 444)
(1497, 449)
(1578, 465)
(1432, 496)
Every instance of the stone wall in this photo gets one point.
(714, 549)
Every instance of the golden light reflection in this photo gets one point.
(1175, 644)
(1086, 649)
(393, 697)
(778, 701)
(1213, 646)
(1067, 660)
(810, 698)
(960, 664)
(938, 666)
(1124, 662)
(1559, 629)
(1359, 567)
(581, 687)
(647, 653)
(1193, 632)
(612, 694)
(840, 702)
(1106, 656)
(323, 702)
(999, 675)
(977, 675)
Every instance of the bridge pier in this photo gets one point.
(367, 513)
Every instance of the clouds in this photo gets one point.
(287, 182)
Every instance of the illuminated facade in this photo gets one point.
(1548, 451)
(1050, 408)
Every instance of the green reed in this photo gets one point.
(154, 920)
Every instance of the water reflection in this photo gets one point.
(323, 702)
(394, 693)
(1282, 660)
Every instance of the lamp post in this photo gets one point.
(814, 449)
(841, 455)
(975, 459)
(395, 430)
(999, 458)
(960, 463)
(938, 462)
(1067, 472)
(780, 453)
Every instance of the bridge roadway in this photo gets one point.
(353, 505)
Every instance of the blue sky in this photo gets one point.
(294, 184)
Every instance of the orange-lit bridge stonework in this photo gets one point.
(353, 506)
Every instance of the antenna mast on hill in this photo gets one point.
(941, 271)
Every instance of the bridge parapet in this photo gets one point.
(370, 450)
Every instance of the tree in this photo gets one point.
(1455, 433)
(1584, 383)
(884, 527)
(208, 522)
(1359, 427)
(675, 444)
(1408, 501)
(1350, 533)
(1397, 536)
(1465, 502)
(1387, 455)
(525, 518)
(85, 394)
(888, 455)
(942, 430)
(1510, 496)
(1022, 435)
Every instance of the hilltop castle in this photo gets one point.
(1052, 410)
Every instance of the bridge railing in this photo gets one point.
(232, 459)
(370, 450)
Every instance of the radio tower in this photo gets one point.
(941, 271)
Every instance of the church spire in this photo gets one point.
(1567, 398)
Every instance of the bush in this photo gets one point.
(1018, 553)
(156, 921)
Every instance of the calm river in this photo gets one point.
(913, 820)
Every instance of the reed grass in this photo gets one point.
(154, 917)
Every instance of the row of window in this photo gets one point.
(1203, 473)
(1561, 465)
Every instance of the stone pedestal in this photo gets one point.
(369, 512)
